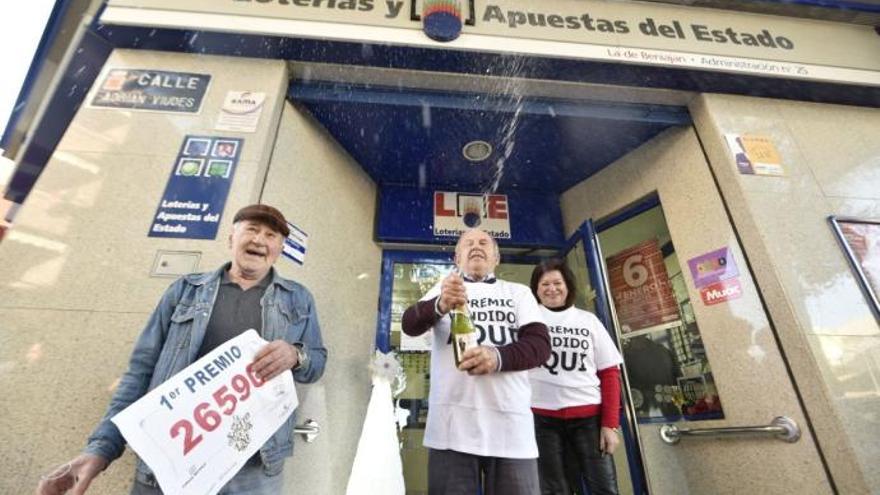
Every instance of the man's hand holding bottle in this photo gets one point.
(452, 293)
(469, 356)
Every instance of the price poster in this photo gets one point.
(860, 239)
(641, 289)
(199, 428)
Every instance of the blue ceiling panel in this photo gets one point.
(403, 136)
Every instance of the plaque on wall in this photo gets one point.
(152, 90)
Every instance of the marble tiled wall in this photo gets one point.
(747, 365)
(831, 156)
(75, 269)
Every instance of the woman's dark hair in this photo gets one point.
(554, 264)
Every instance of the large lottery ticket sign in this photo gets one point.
(200, 427)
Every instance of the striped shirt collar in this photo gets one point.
(488, 279)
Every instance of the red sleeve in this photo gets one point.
(419, 318)
(609, 386)
(531, 349)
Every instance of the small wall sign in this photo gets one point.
(296, 244)
(755, 155)
(712, 267)
(195, 195)
(719, 292)
(241, 111)
(154, 90)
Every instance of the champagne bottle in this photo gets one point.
(464, 335)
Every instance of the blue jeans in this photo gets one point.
(251, 480)
(575, 440)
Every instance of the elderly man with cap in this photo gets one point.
(201, 311)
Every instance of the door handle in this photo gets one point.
(309, 430)
(782, 427)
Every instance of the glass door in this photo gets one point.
(670, 375)
(583, 257)
(406, 276)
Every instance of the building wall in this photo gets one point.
(831, 156)
(75, 271)
(324, 192)
(747, 365)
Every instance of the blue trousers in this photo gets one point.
(251, 480)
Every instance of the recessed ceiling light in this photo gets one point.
(477, 151)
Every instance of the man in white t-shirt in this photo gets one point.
(480, 425)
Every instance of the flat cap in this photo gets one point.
(264, 214)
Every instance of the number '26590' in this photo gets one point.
(209, 419)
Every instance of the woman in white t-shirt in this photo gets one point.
(576, 393)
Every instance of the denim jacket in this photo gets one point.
(171, 340)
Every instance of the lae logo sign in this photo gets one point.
(456, 212)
